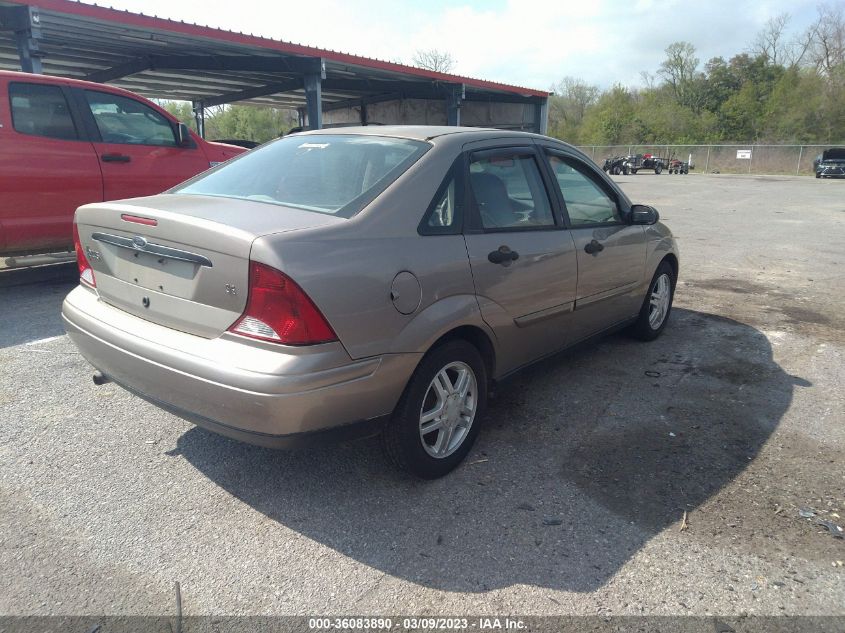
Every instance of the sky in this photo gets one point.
(526, 43)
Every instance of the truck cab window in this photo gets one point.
(128, 122)
(41, 110)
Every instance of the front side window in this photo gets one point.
(128, 122)
(41, 110)
(334, 174)
(509, 192)
(586, 202)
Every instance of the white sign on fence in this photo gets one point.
(744, 154)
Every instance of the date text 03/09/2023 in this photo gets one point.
(428, 623)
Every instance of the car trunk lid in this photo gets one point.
(181, 260)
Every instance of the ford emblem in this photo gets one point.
(139, 242)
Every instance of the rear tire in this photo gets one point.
(657, 304)
(437, 419)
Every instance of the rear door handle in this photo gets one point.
(594, 247)
(115, 158)
(503, 255)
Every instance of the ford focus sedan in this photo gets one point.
(370, 280)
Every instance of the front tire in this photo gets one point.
(657, 304)
(437, 419)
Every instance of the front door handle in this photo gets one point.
(115, 158)
(503, 255)
(594, 247)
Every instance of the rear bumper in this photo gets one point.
(339, 433)
(254, 393)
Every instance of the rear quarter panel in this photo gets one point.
(350, 281)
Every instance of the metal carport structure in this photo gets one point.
(167, 59)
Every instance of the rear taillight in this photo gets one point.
(86, 273)
(279, 311)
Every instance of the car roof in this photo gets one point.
(424, 132)
(14, 75)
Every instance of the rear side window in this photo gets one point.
(128, 122)
(334, 174)
(509, 192)
(444, 215)
(41, 110)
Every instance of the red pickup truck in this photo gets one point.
(64, 143)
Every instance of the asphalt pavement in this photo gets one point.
(664, 478)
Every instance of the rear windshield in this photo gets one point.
(837, 153)
(334, 174)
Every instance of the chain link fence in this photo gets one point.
(723, 159)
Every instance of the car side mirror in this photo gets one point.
(644, 214)
(183, 135)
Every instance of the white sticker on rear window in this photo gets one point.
(314, 145)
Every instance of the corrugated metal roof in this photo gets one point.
(80, 39)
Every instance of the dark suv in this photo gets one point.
(830, 163)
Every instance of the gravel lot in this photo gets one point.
(735, 416)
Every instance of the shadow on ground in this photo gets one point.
(31, 302)
(585, 458)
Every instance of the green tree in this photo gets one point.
(253, 123)
(613, 119)
(794, 111)
(245, 122)
(182, 110)
(680, 71)
(567, 106)
(720, 82)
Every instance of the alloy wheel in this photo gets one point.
(661, 293)
(448, 409)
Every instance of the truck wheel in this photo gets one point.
(657, 170)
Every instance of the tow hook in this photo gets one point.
(99, 378)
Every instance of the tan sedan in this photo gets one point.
(373, 279)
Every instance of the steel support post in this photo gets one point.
(541, 116)
(454, 97)
(314, 99)
(199, 117)
(26, 24)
